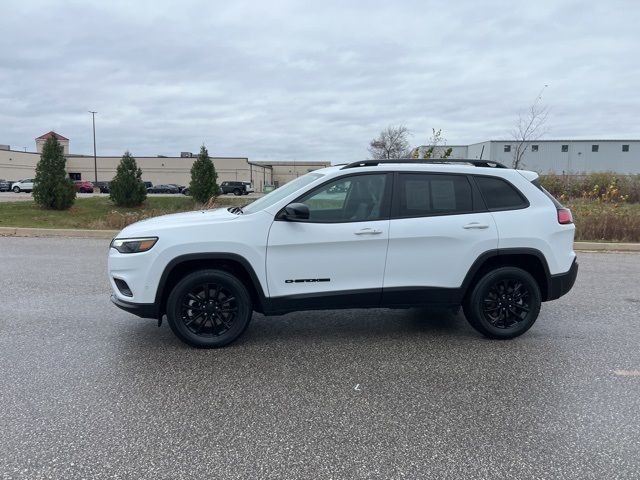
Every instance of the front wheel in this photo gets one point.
(209, 309)
(237, 192)
(504, 303)
(16, 189)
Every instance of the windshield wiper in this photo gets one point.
(236, 210)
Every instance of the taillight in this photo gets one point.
(564, 216)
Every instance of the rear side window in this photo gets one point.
(499, 194)
(422, 195)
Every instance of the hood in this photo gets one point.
(177, 220)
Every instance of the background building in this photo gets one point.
(560, 156)
(17, 165)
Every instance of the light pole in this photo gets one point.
(95, 160)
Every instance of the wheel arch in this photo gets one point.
(529, 259)
(232, 263)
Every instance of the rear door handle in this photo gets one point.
(368, 231)
(475, 226)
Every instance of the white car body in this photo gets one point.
(297, 265)
(22, 185)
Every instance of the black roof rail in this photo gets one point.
(474, 162)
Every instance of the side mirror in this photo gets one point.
(296, 211)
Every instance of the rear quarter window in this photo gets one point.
(499, 194)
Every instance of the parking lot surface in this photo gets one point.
(89, 391)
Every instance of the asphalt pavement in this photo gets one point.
(89, 391)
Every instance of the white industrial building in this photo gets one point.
(559, 156)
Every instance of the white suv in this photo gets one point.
(22, 185)
(371, 234)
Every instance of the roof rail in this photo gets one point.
(474, 162)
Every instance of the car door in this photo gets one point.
(439, 227)
(339, 251)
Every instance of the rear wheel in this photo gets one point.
(209, 309)
(504, 303)
(237, 192)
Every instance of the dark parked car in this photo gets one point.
(163, 189)
(5, 185)
(103, 186)
(237, 188)
(83, 186)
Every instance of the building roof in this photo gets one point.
(50, 134)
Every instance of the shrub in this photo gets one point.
(127, 188)
(203, 186)
(606, 221)
(601, 186)
(52, 188)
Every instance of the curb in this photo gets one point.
(109, 234)
(56, 232)
(606, 247)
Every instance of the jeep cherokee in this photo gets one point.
(370, 234)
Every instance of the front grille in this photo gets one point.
(123, 287)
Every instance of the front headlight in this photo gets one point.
(133, 245)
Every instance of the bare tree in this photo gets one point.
(391, 143)
(529, 128)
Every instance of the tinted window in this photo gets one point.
(423, 194)
(351, 199)
(499, 195)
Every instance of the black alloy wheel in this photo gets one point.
(209, 308)
(237, 192)
(504, 303)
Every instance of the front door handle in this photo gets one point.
(475, 226)
(368, 231)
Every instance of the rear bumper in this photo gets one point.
(144, 310)
(560, 284)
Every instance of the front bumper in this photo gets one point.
(560, 284)
(143, 310)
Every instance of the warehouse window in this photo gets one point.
(75, 176)
(534, 148)
(594, 148)
(565, 148)
(625, 148)
(507, 148)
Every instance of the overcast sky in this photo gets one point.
(282, 80)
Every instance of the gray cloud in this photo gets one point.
(311, 80)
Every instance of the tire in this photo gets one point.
(504, 303)
(16, 189)
(218, 323)
(237, 192)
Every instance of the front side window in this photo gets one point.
(356, 198)
(500, 195)
(421, 195)
(281, 193)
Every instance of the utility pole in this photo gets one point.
(95, 159)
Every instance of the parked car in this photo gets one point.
(166, 188)
(395, 234)
(103, 186)
(237, 188)
(23, 185)
(5, 185)
(83, 186)
(148, 184)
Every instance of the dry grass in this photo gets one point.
(610, 222)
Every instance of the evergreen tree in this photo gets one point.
(203, 185)
(127, 188)
(52, 188)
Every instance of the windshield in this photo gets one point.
(280, 193)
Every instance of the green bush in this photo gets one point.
(52, 188)
(127, 188)
(203, 186)
(600, 186)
